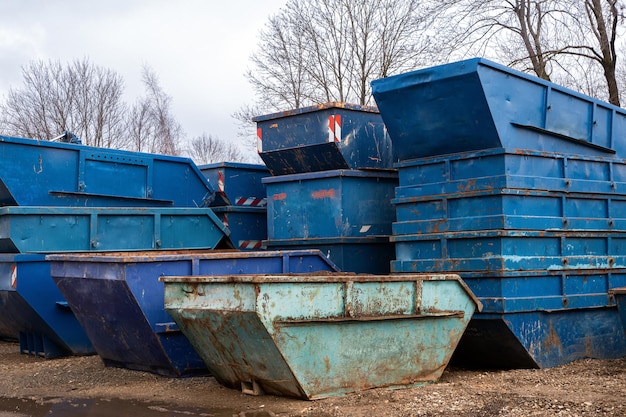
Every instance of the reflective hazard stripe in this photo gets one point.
(259, 140)
(334, 128)
(251, 201)
(220, 181)
(250, 244)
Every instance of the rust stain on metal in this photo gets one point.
(320, 194)
(279, 196)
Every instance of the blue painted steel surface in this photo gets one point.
(43, 173)
(367, 255)
(511, 168)
(33, 311)
(60, 229)
(508, 209)
(325, 137)
(519, 186)
(237, 184)
(477, 104)
(247, 225)
(540, 339)
(118, 299)
(510, 250)
(330, 204)
(315, 336)
(619, 294)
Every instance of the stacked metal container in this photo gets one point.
(519, 186)
(60, 197)
(332, 183)
(241, 201)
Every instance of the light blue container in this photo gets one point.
(477, 104)
(76, 229)
(315, 336)
(44, 173)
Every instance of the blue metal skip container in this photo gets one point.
(237, 184)
(33, 311)
(325, 137)
(330, 204)
(43, 173)
(315, 336)
(118, 300)
(75, 229)
(477, 104)
(347, 214)
(247, 225)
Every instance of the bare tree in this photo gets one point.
(206, 149)
(80, 97)
(548, 37)
(151, 126)
(329, 50)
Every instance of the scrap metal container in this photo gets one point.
(325, 137)
(237, 184)
(347, 214)
(241, 201)
(247, 225)
(44, 173)
(75, 229)
(118, 300)
(476, 104)
(315, 336)
(518, 186)
(33, 311)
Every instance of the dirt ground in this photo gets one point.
(583, 388)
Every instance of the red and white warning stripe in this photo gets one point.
(220, 181)
(14, 276)
(224, 219)
(259, 140)
(250, 244)
(251, 201)
(334, 128)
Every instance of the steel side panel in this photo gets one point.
(306, 330)
(44, 173)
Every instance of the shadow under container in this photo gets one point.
(322, 335)
(325, 137)
(44, 173)
(118, 300)
(33, 310)
(477, 104)
(347, 214)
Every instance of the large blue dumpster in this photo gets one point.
(519, 186)
(347, 214)
(237, 184)
(43, 173)
(339, 203)
(619, 295)
(33, 311)
(477, 104)
(321, 335)
(325, 137)
(118, 299)
(60, 229)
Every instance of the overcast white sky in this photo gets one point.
(199, 49)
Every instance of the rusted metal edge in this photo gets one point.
(296, 322)
(321, 276)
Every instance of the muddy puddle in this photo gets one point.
(12, 407)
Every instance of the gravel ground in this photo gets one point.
(583, 388)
